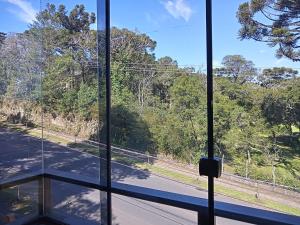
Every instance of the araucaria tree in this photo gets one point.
(237, 68)
(276, 22)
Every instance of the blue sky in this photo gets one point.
(178, 26)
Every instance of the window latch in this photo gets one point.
(210, 167)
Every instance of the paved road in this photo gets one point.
(21, 154)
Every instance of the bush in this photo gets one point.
(68, 102)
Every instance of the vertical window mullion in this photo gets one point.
(104, 86)
(210, 137)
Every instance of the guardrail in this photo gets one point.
(199, 205)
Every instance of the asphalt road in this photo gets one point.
(21, 154)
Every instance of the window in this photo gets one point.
(107, 107)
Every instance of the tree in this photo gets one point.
(281, 107)
(272, 156)
(20, 66)
(129, 130)
(274, 76)
(77, 21)
(188, 115)
(292, 97)
(222, 122)
(238, 68)
(274, 22)
(168, 71)
(273, 108)
(64, 33)
(87, 98)
(134, 67)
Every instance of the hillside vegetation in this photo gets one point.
(158, 107)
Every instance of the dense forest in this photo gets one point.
(158, 106)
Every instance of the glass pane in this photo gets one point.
(158, 94)
(74, 105)
(73, 204)
(72, 116)
(256, 106)
(20, 91)
(19, 204)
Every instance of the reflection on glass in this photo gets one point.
(19, 203)
(20, 93)
(73, 204)
(70, 86)
(158, 95)
(20, 112)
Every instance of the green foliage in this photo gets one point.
(68, 102)
(180, 131)
(87, 97)
(78, 19)
(273, 109)
(275, 76)
(295, 164)
(129, 130)
(121, 93)
(273, 22)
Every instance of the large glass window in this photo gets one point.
(101, 97)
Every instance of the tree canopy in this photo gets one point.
(275, 22)
(273, 76)
(237, 68)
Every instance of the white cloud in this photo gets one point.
(178, 9)
(25, 10)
